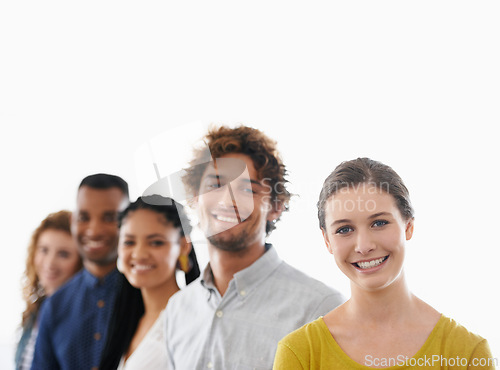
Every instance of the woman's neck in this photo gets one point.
(390, 304)
(156, 299)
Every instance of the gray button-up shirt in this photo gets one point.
(241, 330)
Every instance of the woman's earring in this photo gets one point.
(184, 262)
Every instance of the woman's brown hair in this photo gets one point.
(33, 294)
(365, 170)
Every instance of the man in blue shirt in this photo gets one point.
(74, 320)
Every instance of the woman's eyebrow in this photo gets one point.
(156, 235)
(341, 221)
(375, 215)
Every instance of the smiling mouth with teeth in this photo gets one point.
(95, 244)
(227, 219)
(233, 220)
(370, 264)
(142, 267)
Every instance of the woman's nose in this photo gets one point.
(364, 244)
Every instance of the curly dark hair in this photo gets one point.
(223, 140)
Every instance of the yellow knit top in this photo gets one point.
(449, 346)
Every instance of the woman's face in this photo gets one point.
(149, 248)
(56, 259)
(366, 234)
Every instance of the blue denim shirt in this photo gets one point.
(73, 323)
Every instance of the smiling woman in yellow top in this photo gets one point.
(366, 218)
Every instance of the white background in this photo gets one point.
(412, 84)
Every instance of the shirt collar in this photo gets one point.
(94, 281)
(247, 279)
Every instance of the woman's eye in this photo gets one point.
(128, 243)
(380, 223)
(344, 230)
(64, 254)
(157, 243)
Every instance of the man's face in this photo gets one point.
(94, 224)
(233, 208)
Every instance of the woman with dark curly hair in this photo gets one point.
(52, 260)
(154, 242)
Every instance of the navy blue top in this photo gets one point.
(73, 323)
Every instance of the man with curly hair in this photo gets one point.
(247, 298)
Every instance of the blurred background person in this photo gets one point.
(73, 321)
(153, 243)
(52, 260)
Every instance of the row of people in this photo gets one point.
(246, 300)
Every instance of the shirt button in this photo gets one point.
(219, 315)
(210, 365)
(97, 336)
(100, 303)
(243, 293)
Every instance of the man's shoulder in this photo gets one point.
(191, 292)
(314, 296)
(68, 291)
(310, 297)
(296, 279)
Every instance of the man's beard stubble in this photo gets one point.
(234, 243)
